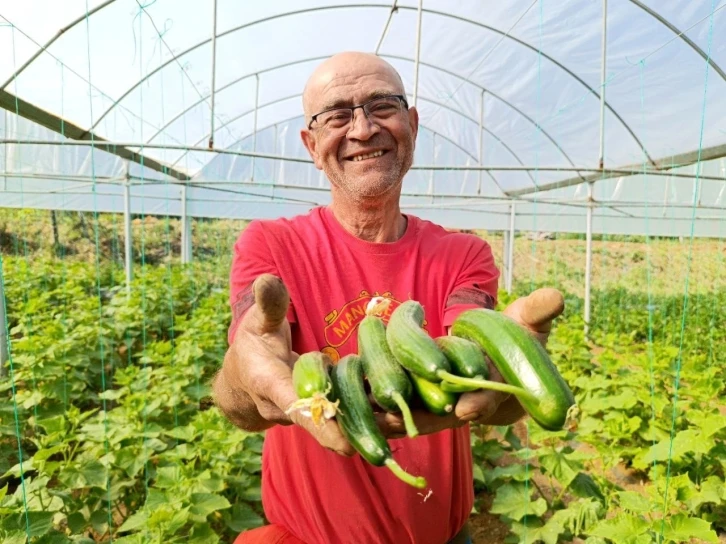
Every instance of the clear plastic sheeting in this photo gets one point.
(511, 86)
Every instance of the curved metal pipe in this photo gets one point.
(397, 57)
(516, 157)
(452, 142)
(377, 6)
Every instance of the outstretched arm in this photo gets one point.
(254, 387)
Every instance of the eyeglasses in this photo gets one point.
(378, 109)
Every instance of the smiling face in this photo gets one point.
(365, 157)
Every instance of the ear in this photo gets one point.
(311, 145)
(413, 121)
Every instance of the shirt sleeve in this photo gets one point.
(251, 258)
(476, 285)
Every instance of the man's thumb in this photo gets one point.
(272, 298)
(541, 306)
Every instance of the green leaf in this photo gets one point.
(713, 490)
(684, 442)
(708, 424)
(76, 522)
(478, 473)
(15, 537)
(134, 521)
(94, 473)
(682, 528)
(203, 534)
(513, 500)
(168, 477)
(99, 519)
(585, 486)
(54, 538)
(634, 502)
(558, 465)
(243, 517)
(518, 472)
(204, 504)
(532, 531)
(625, 529)
(40, 522)
(186, 433)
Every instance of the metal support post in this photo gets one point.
(601, 164)
(214, 72)
(186, 229)
(418, 53)
(588, 258)
(481, 141)
(4, 339)
(510, 249)
(254, 136)
(128, 249)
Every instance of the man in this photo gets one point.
(331, 261)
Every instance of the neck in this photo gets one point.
(375, 221)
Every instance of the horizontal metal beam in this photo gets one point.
(208, 136)
(660, 167)
(666, 164)
(79, 136)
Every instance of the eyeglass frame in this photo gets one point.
(352, 109)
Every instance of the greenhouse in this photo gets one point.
(584, 140)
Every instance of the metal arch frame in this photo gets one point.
(371, 6)
(206, 136)
(397, 57)
(657, 16)
(50, 42)
(86, 133)
(392, 10)
(289, 119)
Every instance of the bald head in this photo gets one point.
(347, 68)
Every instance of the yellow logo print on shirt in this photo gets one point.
(344, 322)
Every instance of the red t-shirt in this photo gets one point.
(317, 495)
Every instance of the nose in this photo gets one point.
(362, 129)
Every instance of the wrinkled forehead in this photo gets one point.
(347, 85)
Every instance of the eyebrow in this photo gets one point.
(345, 102)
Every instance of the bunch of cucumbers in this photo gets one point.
(401, 362)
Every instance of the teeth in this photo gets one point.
(368, 156)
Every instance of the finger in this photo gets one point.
(390, 425)
(329, 435)
(478, 405)
(540, 307)
(272, 300)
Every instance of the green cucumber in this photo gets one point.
(467, 360)
(310, 374)
(390, 386)
(411, 345)
(357, 421)
(311, 381)
(522, 361)
(418, 353)
(434, 398)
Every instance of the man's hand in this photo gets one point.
(535, 313)
(254, 388)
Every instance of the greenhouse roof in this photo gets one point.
(198, 104)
